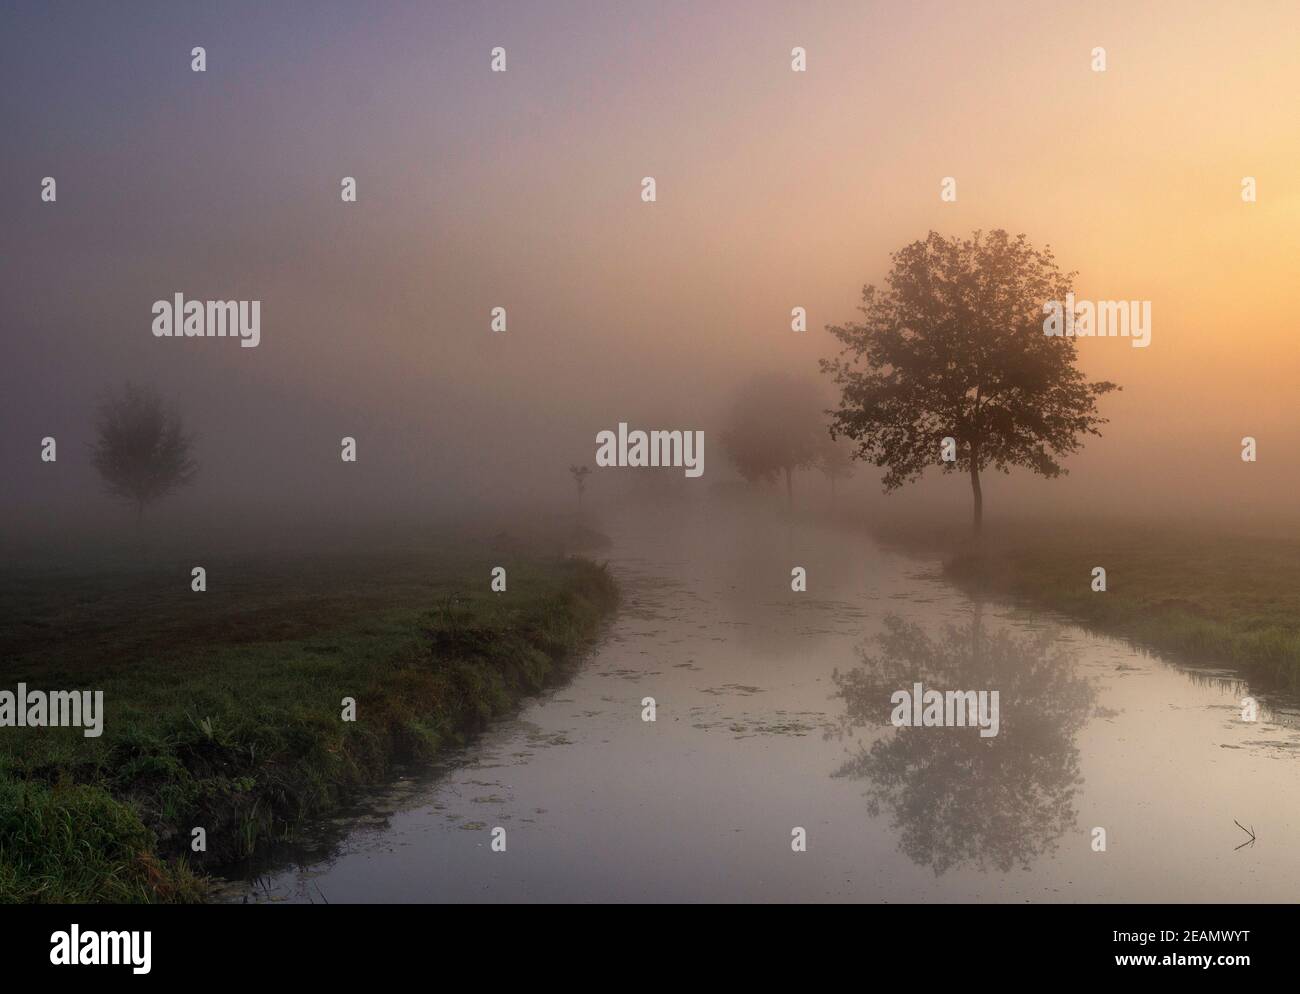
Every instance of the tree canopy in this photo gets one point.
(775, 427)
(953, 346)
(141, 451)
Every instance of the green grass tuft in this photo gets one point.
(223, 709)
(1201, 596)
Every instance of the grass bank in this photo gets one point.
(1199, 593)
(223, 709)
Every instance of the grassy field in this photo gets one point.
(1199, 593)
(223, 708)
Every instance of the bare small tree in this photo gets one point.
(142, 451)
(580, 474)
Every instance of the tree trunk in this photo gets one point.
(978, 522)
(142, 547)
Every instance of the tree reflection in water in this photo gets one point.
(956, 799)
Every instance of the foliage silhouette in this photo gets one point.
(775, 427)
(954, 346)
(956, 799)
(141, 451)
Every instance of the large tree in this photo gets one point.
(142, 451)
(775, 427)
(954, 346)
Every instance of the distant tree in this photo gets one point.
(141, 451)
(775, 427)
(954, 346)
(835, 461)
(580, 474)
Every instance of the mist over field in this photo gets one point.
(478, 190)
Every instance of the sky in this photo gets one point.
(521, 189)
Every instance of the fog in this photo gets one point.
(521, 190)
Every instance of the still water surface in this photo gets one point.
(756, 736)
